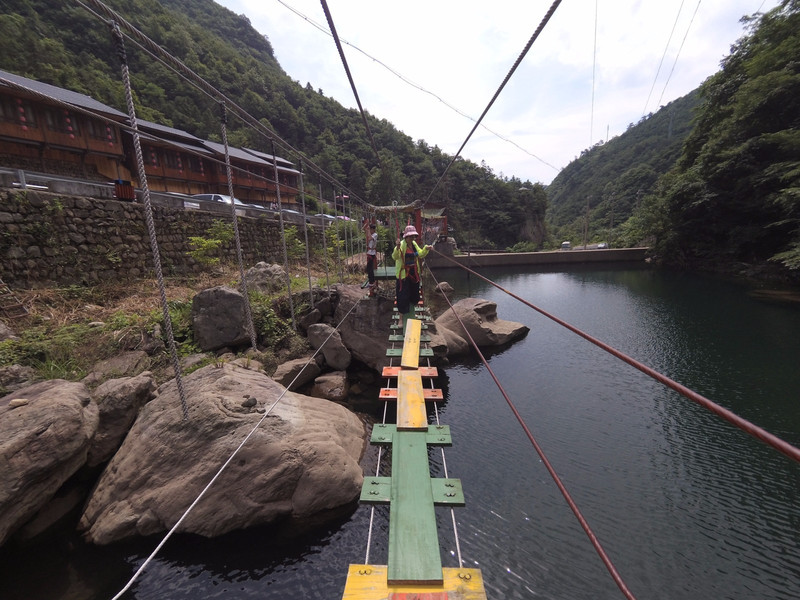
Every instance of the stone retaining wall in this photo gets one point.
(50, 239)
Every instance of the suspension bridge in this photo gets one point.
(414, 569)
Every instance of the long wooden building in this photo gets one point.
(47, 129)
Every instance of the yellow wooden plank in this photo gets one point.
(369, 582)
(411, 415)
(410, 358)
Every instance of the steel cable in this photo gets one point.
(732, 418)
(516, 64)
(562, 488)
(148, 213)
(251, 329)
(224, 466)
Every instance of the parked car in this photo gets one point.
(602, 246)
(226, 200)
(322, 219)
(566, 246)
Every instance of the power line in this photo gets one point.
(411, 83)
(679, 51)
(661, 62)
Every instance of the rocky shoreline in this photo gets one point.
(116, 447)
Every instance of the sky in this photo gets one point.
(431, 67)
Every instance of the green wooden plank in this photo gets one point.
(418, 309)
(413, 539)
(400, 325)
(447, 492)
(425, 352)
(400, 338)
(438, 435)
(376, 490)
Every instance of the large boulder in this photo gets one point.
(121, 365)
(265, 278)
(46, 431)
(294, 374)
(301, 459)
(14, 377)
(336, 354)
(364, 325)
(219, 319)
(119, 401)
(480, 320)
(331, 386)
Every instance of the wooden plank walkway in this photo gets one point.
(414, 570)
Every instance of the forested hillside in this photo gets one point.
(63, 44)
(610, 179)
(734, 196)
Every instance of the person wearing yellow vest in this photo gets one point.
(406, 257)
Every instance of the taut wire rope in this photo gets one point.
(732, 418)
(248, 313)
(545, 461)
(350, 78)
(224, 466)
(407, 81)
(148, 213)
(516, 64)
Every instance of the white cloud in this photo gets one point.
(461, 50)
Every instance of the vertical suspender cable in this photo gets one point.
(308, 256)
(338, 237)
(325, 244)
(148, 213)
(283, 236)
(248, 313)
(348, 235)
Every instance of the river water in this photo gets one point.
(686, 506)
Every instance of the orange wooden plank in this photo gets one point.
(429, 394)
(423, 371)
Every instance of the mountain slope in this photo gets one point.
(614, 176)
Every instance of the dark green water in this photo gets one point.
(687, 506)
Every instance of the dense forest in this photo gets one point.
(734, 195)
(707, 178)
(65, 45)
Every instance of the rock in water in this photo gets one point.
(302, 459)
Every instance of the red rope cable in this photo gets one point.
(757, 432)
(562, 488)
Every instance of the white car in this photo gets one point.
(226, 200)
